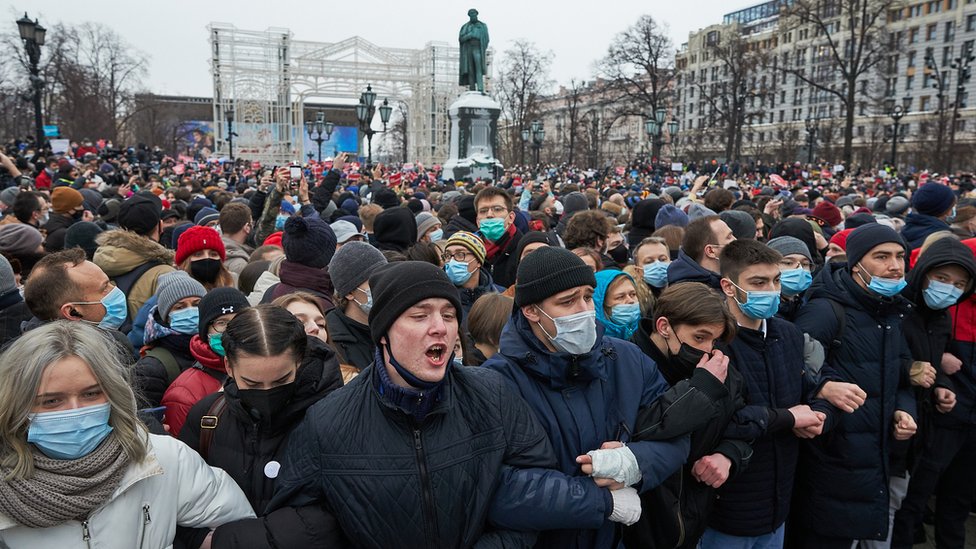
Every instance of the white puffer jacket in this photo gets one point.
(173, 486)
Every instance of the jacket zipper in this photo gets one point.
(430, 518)
(681, 521)
(85, 533)
(146, 519)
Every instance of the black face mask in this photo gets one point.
(619, 254)
(687, 357)
(78, 215)
(205, 270)
(265, 404)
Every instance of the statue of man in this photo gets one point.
(473, 39)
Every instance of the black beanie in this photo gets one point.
(308, 241)
(864, 238)
(548, 271)
(857, 220)
(400, 285)
(386, 198)
(465, 206)
(219, 302)
(140, 213)
(395, 229)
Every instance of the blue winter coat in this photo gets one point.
(686, 269)
(844, 475)
(919, 226)
(583, 401)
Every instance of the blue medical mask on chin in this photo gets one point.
(116, 309)
(492, 228)
(887, 287)
(69, 434)
(656, 274)
(575, 333)
(795, 281)
(185, 321)
(457, 271)
(940, 295)
(758, 305)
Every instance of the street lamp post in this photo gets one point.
(525, 139)
(229, 115)
(812, 129)
(316, 129)
(365, 111)
(897, 112)
(32, 33)
(654, 127)
(538, 135)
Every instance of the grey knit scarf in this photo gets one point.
(62, 490)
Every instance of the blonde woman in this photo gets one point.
(78, 469)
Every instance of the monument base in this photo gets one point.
(474, 138)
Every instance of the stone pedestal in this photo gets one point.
(474, 138)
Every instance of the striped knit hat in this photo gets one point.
(471, 242)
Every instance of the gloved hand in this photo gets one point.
(620, 464)
(626, 506)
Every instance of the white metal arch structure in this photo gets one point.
(266, 77)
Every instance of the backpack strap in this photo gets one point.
(165, 356)
(208, 424)
(125, 282)
(838, 338)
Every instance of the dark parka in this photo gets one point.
(350, 338)
(392, 482)
(919, 226)
(686, 269)
(243, 444)
(150, 377)
(843, 484)
(504, 264)
(674, 514)
(757, 501)
(584, 401)
(13, 314)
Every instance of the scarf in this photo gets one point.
(201, 351)
(297, 275)
(155, 329)
(492, 249)
(63, 490)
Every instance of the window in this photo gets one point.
(950, 31)
(909, 82)
(923, 103)
(911, 58)
(913, 35)
(946, 55)
(931, 31)
(712, 38)
(915, 10)
(971, 22)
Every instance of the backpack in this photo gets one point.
(168, 360)
(125, 282)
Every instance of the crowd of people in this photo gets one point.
(336, 355)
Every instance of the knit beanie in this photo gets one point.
(697, 210)
(140, 213)
(197, 238)
(93, 199)
(206, 215)
(470, 242)
(352, 265)
(742, 224)
(219, 302)
(173, 287)
(465, 206)
(65, 199)
(829, 213)
(897, 205)
(308, 241)
(82, 235)
(19, 239)
(933, 198)
(669, 215)
(7, 281)
(386, 198)
(858, 219)
(287, 207)
(425, 222)
(864, 238)
(548, 271)
(395, 229)
(9, 195)
(840, 238)
(787, 245)
(400, 285)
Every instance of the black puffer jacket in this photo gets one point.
(350, 338)
(248, 450)
(392, 482)
(13, 313)
(150, 378)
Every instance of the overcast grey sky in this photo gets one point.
(173, 32)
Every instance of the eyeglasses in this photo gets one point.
(795, 264)
(497, 210)
(459, 255)
(220, 325)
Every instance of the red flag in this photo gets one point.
(395, 179)
(777, 180)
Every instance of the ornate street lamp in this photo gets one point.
(32, 33)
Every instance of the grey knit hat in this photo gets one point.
(787, 245)
(7, 281)
(425, 222)
(19, 239)
(352, 265)
(173, 287)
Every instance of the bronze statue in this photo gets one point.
(473, 39)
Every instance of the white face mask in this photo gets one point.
(575, 333)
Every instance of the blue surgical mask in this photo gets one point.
(627, 315)
(887, 287)
(759, 305)
(368, 306)
(492, 228)
(280, 221)
(185, 321)
(940, 295)
(457, 271)
(69, 434)
(656, 274)
(116, 309)
(216, 344)
(436, 235)
(575, 334)
(795, 281)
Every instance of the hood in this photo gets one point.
(835, 282)
(686, 269)
(801, 230)
(944, 251)
(120, 251)
(604, 279)
(918, 226)
(520, 346)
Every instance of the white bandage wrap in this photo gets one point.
(620, 464)
(626, 506)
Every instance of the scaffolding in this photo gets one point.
(266, 77)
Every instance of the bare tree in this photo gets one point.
(522, 80)
(573, 97)
(852, 42)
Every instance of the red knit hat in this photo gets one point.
(840, 238)
(274, 239)
(198, 238)
(829, 213)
